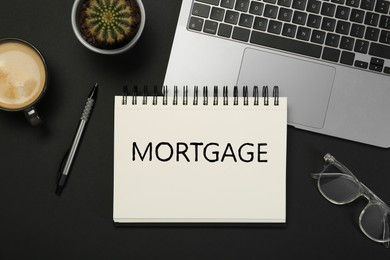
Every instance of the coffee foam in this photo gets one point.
(22, 75)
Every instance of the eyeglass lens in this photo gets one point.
(375, 222)
(337, 186)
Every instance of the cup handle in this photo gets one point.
(33, 116)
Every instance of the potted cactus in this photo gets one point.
(109, 24)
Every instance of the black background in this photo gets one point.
(36, 224)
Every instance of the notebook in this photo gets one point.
(201, 157)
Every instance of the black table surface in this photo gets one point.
(37, 224)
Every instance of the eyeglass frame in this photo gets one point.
(364, 191)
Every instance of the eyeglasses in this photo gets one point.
(338, 185)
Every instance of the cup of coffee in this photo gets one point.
(108, 26)
(23, 78)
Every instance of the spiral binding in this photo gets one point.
(124, 95)
(215, 98)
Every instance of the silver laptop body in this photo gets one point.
(334, 86)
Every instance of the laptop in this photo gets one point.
(330, 58)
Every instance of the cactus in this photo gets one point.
(110, 23)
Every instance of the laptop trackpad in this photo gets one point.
(307, 85)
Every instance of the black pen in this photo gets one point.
(69, 156)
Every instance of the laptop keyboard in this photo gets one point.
(354, 33)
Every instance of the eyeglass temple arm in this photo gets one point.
(329, 159)
(319, 174)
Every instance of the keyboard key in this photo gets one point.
(382, 6)
(343, 27)
(331, 54)
(217, 13)
(242, 5)
(299, 18)
(328, 24)
(195, 23)
(256, 8)
(332, 40)
(357, 16)
(380, 50)
(367, 4)
(299, 4)
(303, 33)
(376, 67)
(353, 3)
(231, 17)
(289, 30)
(260, 24)
(270, 11)
(286, 44)
(241, 34)
(347, 58)
(346, 43)
(285, 14)
(361, 64)
(377, 61)
(385, 37)
(210, 27)
(274, 27)
(270, 1)
(384, 22)
(340, 2)
(227, 3)
(201, 10)
(342, 12)
(318, 37)
(246, 20)
(314, 21)
(225, 30)
(371, 19)
(328, 9)
(361, 46)
(387, 70)
(372, 34)
(285, 3)
(313, 6)
(212, 2)
(357, 30)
